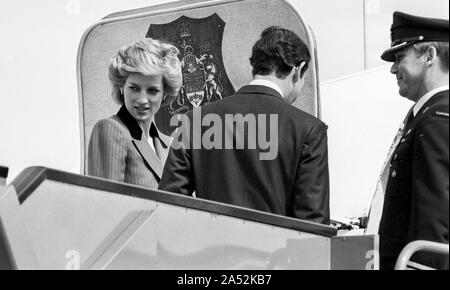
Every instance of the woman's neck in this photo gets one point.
(145, 127)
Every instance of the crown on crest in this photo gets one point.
(184, 29)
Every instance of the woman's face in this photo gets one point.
(143, 96)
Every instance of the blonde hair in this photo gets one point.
(148, 57)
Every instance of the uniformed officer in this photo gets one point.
(416, 200)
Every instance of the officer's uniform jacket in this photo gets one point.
(417, 193)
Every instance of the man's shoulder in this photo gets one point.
(440, 101)
(239, 103)
(303, 118)
(437, 108)
(231, 104)
(434, 119)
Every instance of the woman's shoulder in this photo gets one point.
(112, 123)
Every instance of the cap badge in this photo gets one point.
(394, 45)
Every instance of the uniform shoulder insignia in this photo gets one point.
(441, 114)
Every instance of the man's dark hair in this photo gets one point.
(279, 50)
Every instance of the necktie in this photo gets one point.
(409, 118)
(376, 208)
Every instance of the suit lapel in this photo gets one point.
(150, 156)
(166, 140)
(142, 146)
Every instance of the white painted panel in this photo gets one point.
(363, 113)
(65, 220)
(180, 238)
(339, 30)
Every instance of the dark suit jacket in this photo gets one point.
(295, 183)
(117, 152)
(417, 192)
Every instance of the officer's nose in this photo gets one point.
(394, 68)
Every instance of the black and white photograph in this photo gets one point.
(224, 139)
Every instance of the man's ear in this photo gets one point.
(297, 75)
(431, 54)
(300, 68)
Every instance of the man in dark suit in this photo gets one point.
(416, 199)
(265, 154)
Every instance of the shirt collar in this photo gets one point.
(427, 97)
(266, 83)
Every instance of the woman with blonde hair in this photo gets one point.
(128, 147)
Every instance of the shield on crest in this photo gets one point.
(193, 76)
(204, 76)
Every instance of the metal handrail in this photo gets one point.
(404, 259)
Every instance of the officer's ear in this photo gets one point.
(431, 55)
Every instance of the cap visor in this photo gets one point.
(389, 55)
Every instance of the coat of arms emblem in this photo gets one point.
(204, 76)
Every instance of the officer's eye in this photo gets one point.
(399, 56)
